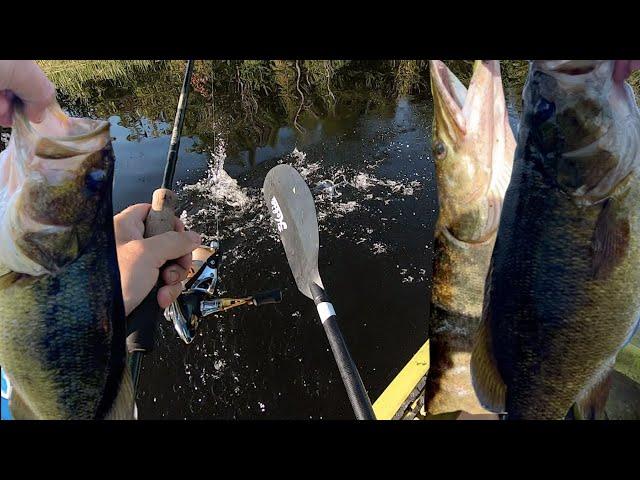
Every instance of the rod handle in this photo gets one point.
(161, 217)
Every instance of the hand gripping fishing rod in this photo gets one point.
(142, 322)
(293, 210)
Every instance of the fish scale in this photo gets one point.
(563, 292)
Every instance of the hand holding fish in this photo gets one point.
(140, 259)
(25, 80)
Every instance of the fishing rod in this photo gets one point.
(142, 322)
(292, 208)
(198, 299)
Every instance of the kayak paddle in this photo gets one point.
(292, 207)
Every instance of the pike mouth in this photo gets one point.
(456, 93)
(448, 92)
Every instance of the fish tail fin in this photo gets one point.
(124, 406)
(485, 377)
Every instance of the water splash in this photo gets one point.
(340, 192)
(218, 186)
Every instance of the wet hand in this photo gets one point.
(25, 80)
(140, 259)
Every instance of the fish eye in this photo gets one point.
(439, 150)
(94, 180)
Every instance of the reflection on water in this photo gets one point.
(141, 158)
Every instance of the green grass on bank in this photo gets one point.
(71, 75)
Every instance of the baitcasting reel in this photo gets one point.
(198, 301)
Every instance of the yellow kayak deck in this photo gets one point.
(403, 399)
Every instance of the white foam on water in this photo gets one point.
(346, 207)
(184, 218)
(246, 227)
(379, 248)
(299, 161)
(219, 364)
(298, 155)
(364, 181)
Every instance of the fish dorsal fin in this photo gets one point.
(486, 379)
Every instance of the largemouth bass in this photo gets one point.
(563, 292)
(473, 148)
(62, 325)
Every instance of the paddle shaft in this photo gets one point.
(161, 218)
(356, 392)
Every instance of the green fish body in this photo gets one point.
(62, 326)
(563, 292)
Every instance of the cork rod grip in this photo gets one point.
(161, 217)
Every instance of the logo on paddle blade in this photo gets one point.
(277, 213)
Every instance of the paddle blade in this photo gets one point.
(291, 205)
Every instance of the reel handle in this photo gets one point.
(265, 298)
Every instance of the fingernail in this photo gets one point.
(195, 238)
(173, 276)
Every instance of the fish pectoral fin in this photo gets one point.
(610, 239)
(485, 377)
(53, 248)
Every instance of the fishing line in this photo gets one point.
(215, 160)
